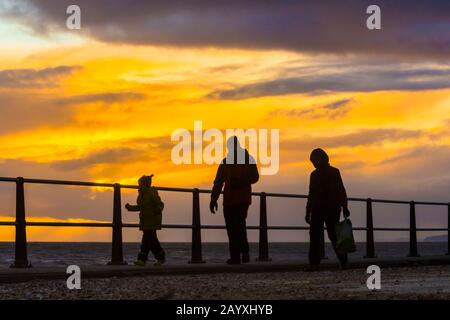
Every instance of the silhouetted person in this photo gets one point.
(150, 209)
(327, 196)
(238, 172)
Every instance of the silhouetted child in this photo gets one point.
(150, 209)
(327, 197)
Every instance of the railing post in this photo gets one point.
(370, 245)
(263, 237)
(448, 229)
(117, 244)
(196, 256)
(322, 244)
(412, 230)
(21, 259)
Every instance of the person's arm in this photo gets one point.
(135, 207)
(217, 188)
(160, 203)
(309, 201)
(342, 195)
(132, 208)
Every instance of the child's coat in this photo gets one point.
(150, 208)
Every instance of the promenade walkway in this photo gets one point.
(107, 271)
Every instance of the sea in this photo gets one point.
(48, 254)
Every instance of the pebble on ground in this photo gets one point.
(424, 282)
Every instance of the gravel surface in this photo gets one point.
(425, 282)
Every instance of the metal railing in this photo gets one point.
(21, 258)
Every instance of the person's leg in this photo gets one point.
(331, 220)
(241, 232)
(155, 246)
(145, 246)
(243, 240)
(229, 212)
(315, 233)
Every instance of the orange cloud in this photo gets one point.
(112, 118)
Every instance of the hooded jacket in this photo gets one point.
(150, 207)
(326, 190)
(238, 180)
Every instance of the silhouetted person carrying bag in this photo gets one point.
(238, 171)
(150, 207)
(327, 196)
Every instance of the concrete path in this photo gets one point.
(107, 271)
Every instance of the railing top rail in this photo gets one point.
(268, 194)
(161, 188)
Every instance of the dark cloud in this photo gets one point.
(32, 78)
(337, 104)
(56, 201)
(360, 138)
(423, 171)
(441, 132)
(107, 156)
(128, 151)
(32, 169)
(225, 68)
(347, 79)
(427, 153)
(25, 111)
(367, 137)
(332, 110)
(409, 28)
(162, 142)
(108, 97)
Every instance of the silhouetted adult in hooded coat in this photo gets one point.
(327, 196)
(238, 171)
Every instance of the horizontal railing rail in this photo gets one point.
(268, 194)
(20, 223)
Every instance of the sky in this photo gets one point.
(100, 104)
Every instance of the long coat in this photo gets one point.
(238, 180)
(326, 191)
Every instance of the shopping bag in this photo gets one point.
(344, 233)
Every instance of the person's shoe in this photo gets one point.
(158, 263)
(140, 263)
(245, 258)
(233, 261)
(161, 257)
(312, 268)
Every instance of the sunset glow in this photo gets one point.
(78, 106)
